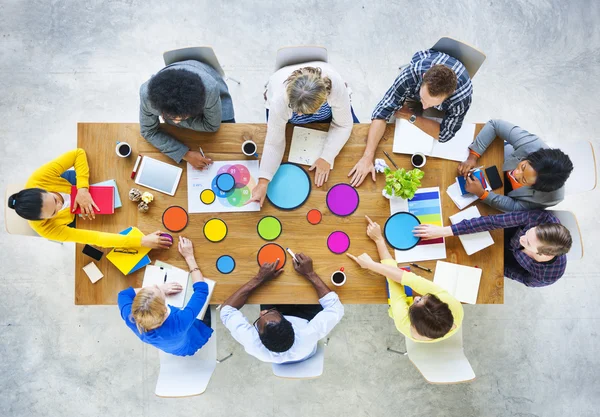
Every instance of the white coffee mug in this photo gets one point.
(251, 146)
(339, 275)
(123, 149)
(413, 162)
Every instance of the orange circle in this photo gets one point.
(314, 216)
(175, 219)
(269, 253)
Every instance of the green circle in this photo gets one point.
(239, 196)
(269, 228)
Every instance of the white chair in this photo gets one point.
(14, 224)
(442, 362)
(584, 176)
(569, 220)
(186, 376)
(310, 368)
(472, 58)
(291, 55)
(203, 54)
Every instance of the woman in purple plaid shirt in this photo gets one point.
(535, 242)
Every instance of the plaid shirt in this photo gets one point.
(408, 85)
(525, 269)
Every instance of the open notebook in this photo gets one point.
(460, 281)
(473, 242)
(409, 139)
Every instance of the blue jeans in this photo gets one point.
(354, 118)
(70, 176)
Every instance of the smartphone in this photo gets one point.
(493, 177)
(92, 252)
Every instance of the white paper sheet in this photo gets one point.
(460, 281)
(155, 275)
(457, 148)
(460, 200)
(307, 145)
(473, 242)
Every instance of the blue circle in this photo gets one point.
(289, 188)
(225, 264)
(218, 192)
(225, 182)
(398, 231)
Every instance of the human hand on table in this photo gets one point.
(322, 173)
(373, 230)
(474, 186)
(467, 165)
(156, 241)
(303, 265)
(268, 271)
(197, 160)
(259, 192)
(429, 231)
(86, 202)
(360, 171)
(363, 260)
(171, 288)
(186, 248)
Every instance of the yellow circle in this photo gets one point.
(215, 230)
(207, 196)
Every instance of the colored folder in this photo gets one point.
(462, 183)
(128, 263)
(104, 197)
(112, 183)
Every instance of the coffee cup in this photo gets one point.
(249, 148)
(418, 160)
(338, 278)
(123, 149)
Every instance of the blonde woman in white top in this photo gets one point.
(299, 94)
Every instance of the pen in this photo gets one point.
(291, 253)
(165, 280)
(388, 157)
(476, 168)
(201, 152)
(135, 167)
(421, 267)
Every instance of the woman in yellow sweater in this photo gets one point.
(45, 202)
(433, 316)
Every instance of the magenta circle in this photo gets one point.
(241, 175)
(338, 242)
(342, 200)
(223, 170)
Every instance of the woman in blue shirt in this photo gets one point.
(168, 328)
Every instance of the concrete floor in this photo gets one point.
(66, 61)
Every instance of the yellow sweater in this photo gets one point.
(399, 303)
(48, 178)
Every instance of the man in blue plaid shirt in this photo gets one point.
(433, 79)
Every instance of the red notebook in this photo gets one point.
(104, 197)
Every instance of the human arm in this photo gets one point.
(329, 317)
(509, 204)
(47, 173)
(374, 232)
(453, 120)
(426, 125)
(365, 165)
(186, 249)
(304, 266)
(385, 269)
(210, 120)
(266, 272)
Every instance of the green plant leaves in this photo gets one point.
(402, 183)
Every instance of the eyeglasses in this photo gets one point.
(262, 315)
(126, 251)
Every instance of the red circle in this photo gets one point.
(270, 253)
(175, 219)
(314, 216)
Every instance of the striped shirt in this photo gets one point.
(517, 265)
(408, 85)
(324, 113)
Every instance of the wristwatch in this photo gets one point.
(412, 119)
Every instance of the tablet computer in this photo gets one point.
(158, 175)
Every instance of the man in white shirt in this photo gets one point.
(275, 337)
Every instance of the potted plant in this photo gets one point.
(402, 183)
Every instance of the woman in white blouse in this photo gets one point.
(299, 94)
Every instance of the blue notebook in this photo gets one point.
(462, 182)
(114, 184)
(144, 261)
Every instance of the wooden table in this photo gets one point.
(243, 242)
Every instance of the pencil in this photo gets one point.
(201, 152)
(388, 157)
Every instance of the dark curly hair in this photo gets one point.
(440, 81)
(432, 318)
(278, 337)
(27, 203)
(553, 168)
(177, 93)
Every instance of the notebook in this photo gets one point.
(112, 183)
(473, 242)
(409, 139)
(460, 200)
(103, 196)
(93, 273)
(129, 263)
(462, 182)
(307, 145)
(460, 281)
(158, 275)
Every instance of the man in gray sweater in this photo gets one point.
(187, 94)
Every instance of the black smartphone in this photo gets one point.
(493, 177)
(92, 252)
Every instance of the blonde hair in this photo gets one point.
(148, 310)
(307, 90)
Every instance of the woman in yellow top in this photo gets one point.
(433, 316)
(45, 202)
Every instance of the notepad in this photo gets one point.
(473, 242)
(307, 145)
(111, 183)
(93, 273)
(409, 139)
(460, 200)
(158, 275)
(460, 281)
(103, 196)
(129, 263)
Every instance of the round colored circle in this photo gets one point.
(314, 216)
(207, 196)
(225, 264)
(289, 188)
(215, 230)
(338, 242)
(398, 230)
(175, 219)
(270, 253)
(269, 228)
(241, 174)
(239, 196)
(218, 192)
(225, 182)
(342, 199)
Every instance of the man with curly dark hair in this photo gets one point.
(187, 94)
(283, 333)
